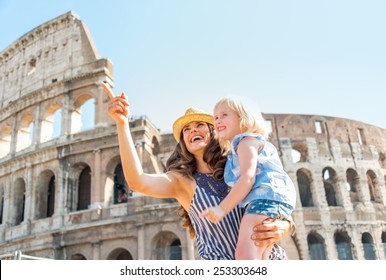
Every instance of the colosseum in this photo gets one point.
(63, 194)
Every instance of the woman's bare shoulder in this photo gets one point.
(185, 188)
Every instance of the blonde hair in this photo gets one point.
(251, 119)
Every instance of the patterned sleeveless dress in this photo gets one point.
(217, 241)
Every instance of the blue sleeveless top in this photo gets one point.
(213, 241)
(217, 241)
(272, 182)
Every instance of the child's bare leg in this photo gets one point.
(246, 248)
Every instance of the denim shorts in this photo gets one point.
(273, 209)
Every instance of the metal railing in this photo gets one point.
(18, 255)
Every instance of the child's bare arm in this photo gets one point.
(247, 151)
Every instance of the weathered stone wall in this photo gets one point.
(353, 204)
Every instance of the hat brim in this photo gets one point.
(184, 120)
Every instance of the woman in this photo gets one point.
(190, 179)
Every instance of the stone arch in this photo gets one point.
(88, 110)
(121, 190)
(120, 254)
(77, 257)
(329, 183)
(304, 180)
(316, 246)
(84, 189)
(5, 140)
(58, 120)
(24, 132)
(166, 246)
(373, 186)
(383, 237)
(296, 155)
(175, 250)
(353, 184)
(382, 159)
(155, 146)
(299, 149)
(18, 198)
(77, 116)
(368, 246)
(48, 122)
(343, 245)
(45, 194)
(109, 187)
(75, 184)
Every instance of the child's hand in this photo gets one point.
(213, 214)
(118, 105)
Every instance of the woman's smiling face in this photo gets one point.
(196, 136)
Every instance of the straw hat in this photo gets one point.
(191, 115)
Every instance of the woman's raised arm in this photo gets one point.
(156, 185)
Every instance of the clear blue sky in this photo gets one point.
(325, 57)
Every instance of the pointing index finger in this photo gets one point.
(108, 90)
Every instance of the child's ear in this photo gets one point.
(243, 127)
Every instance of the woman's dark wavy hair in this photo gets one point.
(184, 163)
